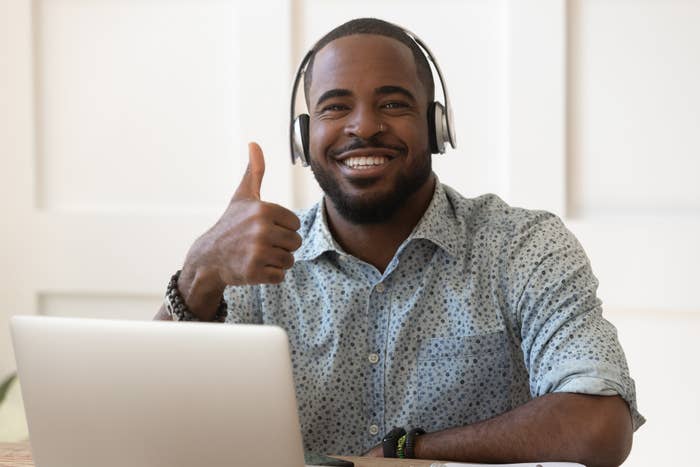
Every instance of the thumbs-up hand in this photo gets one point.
(252, 178)
(252, 243)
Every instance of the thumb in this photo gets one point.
(252, 178)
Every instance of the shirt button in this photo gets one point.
(380, 288)
(373, 429)
(373, 358)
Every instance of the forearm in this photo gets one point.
(592, 430)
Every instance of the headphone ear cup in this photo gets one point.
(300, 139)
(439, 128)
(431, 128)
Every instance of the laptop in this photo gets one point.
(138, 393)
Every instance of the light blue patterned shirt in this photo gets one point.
(482, 308)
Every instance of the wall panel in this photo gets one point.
(633, 129)
(93, 305)
(634, 69)
(130, 93)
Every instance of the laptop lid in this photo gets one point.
(139, 393)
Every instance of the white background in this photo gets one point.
(123, 130)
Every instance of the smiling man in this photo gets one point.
(369, 135)
(472, 326)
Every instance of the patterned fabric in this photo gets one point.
(482, 308)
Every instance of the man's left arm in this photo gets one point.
(592, 430)
(583, 407)
(595, 431)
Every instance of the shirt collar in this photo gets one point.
(439, 225)
(316, 235)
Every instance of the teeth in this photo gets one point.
(365, 162)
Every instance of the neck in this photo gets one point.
(376, 244)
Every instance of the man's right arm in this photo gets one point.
(252, 243)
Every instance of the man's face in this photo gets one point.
(368, 131)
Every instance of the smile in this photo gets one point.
(365, 162)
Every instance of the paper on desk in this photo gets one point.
(526, 464)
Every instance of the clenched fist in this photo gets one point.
(252, 243)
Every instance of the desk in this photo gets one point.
(15, 455)
(19, 455)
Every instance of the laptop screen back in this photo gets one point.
(137, 393)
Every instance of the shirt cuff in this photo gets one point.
(595, 386)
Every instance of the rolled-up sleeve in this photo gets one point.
(567, 344)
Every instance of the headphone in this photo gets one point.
(440, 118)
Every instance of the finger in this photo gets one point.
(257, 268)
(249, 188)
(284, 238)
(284, 217)
(272, 275)
(279, 258)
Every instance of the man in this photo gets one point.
(406, 304)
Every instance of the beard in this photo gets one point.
(371, 209)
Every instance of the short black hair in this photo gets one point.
(380, 28)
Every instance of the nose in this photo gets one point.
(364, 123)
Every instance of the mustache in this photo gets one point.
(361, 143)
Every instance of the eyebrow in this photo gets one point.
(382, 90)
(395, 90)
(330, 94)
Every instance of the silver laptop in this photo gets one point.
(138, 393)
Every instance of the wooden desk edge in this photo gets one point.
(382, 462)
(19, 455)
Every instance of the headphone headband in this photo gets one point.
(449, 119)
(441, 117)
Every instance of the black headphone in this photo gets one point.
(440, 119)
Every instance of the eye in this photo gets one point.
(393, 105)
(334, 108)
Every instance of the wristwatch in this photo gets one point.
(411, 442)
(390, 441)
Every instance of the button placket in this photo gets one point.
(378, 297)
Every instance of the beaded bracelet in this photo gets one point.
(177, 308)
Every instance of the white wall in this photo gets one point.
(123, 126)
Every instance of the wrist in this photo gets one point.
(413, 441)
(402, 444)
(390, 442)
(201, 290)
(178, 309)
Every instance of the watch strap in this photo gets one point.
(390, 442)
(409, 448)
